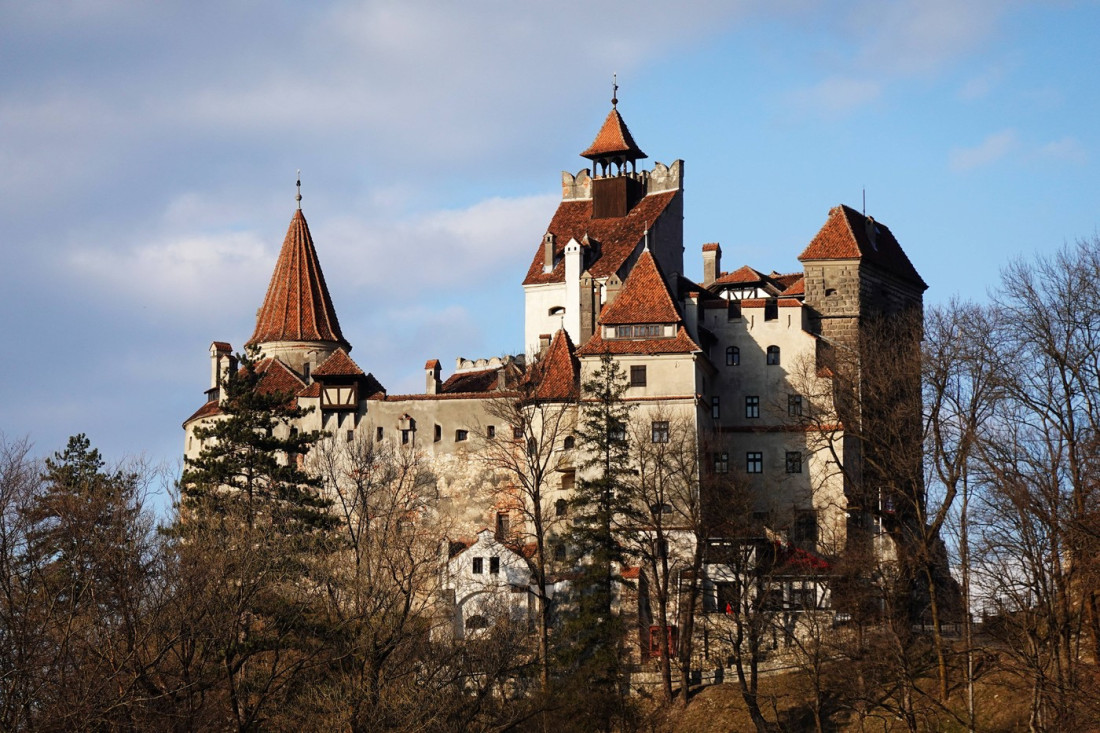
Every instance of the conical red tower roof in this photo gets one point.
(297, 306)
(614, 139)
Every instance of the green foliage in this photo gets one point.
(602, 502)
(248, 466)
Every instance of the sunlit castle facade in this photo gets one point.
(735, 358)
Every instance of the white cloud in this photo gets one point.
(992, 149)
(1067, 149)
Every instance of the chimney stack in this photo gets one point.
(431, 374)
(712, 263)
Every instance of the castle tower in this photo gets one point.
(297, 323)
(605, 219)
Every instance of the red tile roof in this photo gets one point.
(297, 306)
(798, 287)
(789, 303)
(644, 297)
(681, 344)
(615, 238)
(431, 364)
(741, 275)
(614, 139)
(339, 364)
(222, 346)
(556, 376)
(313, 390)
(210, 408)
(479, 381)
(277, 377)
(712, 247)
(847, 234)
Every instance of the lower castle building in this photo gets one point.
(741, 361)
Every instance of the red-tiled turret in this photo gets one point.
(298, 306)
(614, 139)
(848, 234)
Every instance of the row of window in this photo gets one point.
(733, 356)
(754, 462)
(752, 406)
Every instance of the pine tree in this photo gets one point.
(255, 530)
(601, 505)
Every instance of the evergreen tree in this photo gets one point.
(593, 631)
(255, 529)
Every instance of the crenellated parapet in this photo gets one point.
(578, 187)
(496, 362)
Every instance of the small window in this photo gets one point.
(494, 566)
(477, 622)
(804, 529)
(662, 549)
(491, 432)
(660, 431)
(733, 356)
(624, 332)
(721, 462)
(406, 435)
(479, 565)
(517, 432)
(557, 310)
(559, 552)
(378, 434)
(715, 408)
(561, 508)
(532, 447)
(350, 436)
(503, 525)
(438, 433)
(771, 309)
(733, 310)
(657, 509)
(794, 461)
(794, 405)
(754, 462)
(569, 443)
(752, 406)
(461, 435)
(568, 480)
(637, 375)
(617, 434)
(773, 356)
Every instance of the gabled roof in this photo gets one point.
(681, 344)
(614, 238)
(644, 297)
(339, 364)
(297, 306)
(847, 234)
(556, 376)
(740, 276)
(798, 287)
(480, 381)
(277, 377)
(614, 139)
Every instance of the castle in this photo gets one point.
(741, 358)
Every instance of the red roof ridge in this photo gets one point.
(297, 306)
(338, 364)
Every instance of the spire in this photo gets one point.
(613, 143)
(297, 306)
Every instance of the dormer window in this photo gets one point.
(643, 331)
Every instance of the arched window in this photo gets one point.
(561, 507)
(773, 356)
(569, 442)
(733, 356)
(557, 310)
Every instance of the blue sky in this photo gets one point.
(148, 154)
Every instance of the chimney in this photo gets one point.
(544, 344)
(431, 374)
(614, 285)
(712, 263)
(548, 252)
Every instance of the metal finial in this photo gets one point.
(298, 198)
(614, 90)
